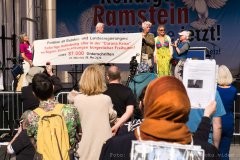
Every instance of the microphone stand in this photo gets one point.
(213, 47)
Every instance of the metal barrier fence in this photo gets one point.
(11, 109)
(62, 97)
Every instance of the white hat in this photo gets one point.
(185, 33)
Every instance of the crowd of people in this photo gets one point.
(99, 121)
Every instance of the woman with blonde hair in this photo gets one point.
(228, 95)
(95, 110)
(27, 56)
(163, 52)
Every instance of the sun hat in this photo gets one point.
(32, 72)
(185, 33)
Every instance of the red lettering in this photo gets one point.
(111, 18)
(79, 53)
(182, 12)
(172, 16)
(125, 15)
(98, 14)
(151, 11)
(141, 15)
(162, 16)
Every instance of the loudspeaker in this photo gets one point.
(198, 53)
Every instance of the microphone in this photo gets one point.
(176, 42)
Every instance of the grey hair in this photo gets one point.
(21, 36)
(145, 24)
(224, 76)
(99, 24)
(189, 34)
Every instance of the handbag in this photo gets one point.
(174, 61)
(17, 70)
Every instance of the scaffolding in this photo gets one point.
(18, 16)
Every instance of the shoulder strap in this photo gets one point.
(58, 108)
(39, 111)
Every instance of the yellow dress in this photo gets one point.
(162, 56)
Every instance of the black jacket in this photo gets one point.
(30, 102)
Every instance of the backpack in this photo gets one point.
(52, 135)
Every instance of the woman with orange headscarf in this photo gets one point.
(165, 115)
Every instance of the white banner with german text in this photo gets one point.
(88, 49)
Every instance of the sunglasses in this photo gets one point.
(161, 29)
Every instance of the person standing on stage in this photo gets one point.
(181, 46)
(163, 52)
(99, 28)
(27, 56)
(147, 44)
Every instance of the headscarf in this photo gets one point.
(166, 111)
(143, 67)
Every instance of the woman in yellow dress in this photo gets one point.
(163, 52)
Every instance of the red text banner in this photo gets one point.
(88, 49)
